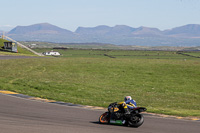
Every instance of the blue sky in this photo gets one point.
(70, 14)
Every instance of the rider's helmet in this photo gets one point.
(127, 98)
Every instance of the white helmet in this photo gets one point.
(127, 98)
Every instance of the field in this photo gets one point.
(163, 81)
(136, 54)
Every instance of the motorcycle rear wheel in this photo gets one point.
(104, 118)
(136, 120)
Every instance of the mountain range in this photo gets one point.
(187, 35)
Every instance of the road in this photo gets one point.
(19, 115)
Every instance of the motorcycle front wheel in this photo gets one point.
(104, 118)
(136, 120)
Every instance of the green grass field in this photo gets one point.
(162, 81)
(120, 54)
(194, 53)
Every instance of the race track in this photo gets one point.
(19, 115)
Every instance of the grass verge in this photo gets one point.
(162, 85)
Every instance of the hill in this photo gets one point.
(20, 50)
(43, 28)
(118, 30)
(40, 32)
(190, 30)
(188, 35)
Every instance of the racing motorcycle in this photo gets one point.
(116, 115)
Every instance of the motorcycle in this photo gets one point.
(116, 115)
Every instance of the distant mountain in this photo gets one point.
(190, 30)
(188, 35)
(41, 32)
(122, 30)
(99, 30)
(147, 32)
(43, 28)
(118, 30)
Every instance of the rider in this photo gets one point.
(128, 103)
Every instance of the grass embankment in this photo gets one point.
(162, 85)
(21, 51)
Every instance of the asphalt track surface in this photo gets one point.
(19, 115)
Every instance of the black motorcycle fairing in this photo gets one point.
(138, 110)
